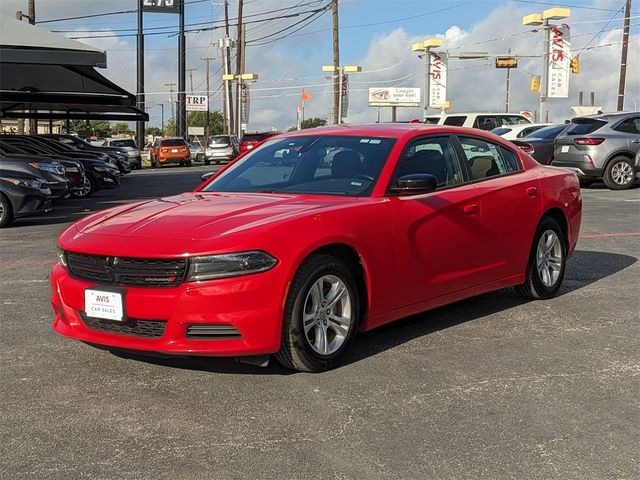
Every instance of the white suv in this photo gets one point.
(481, 120)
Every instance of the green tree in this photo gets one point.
(121, 128)
(99, 128)
(170, 128)
(153, 131)
(313, 122)
(197, 119)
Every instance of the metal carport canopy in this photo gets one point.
(48, 76)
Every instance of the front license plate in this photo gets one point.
(564, 149)
(174, 150)
(99, 303)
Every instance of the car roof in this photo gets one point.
(394, 130)
(453, 114)
(608, 116)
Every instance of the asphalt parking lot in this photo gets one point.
(489, 388)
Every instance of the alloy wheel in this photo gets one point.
(85, 188)
(622, 173)
(327, 316)
(549, 258)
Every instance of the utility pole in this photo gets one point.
(190, 72)
(171, 86)
(623, 58)
(227, 70)
(31, 16)
(162, 117)
(206, 119)
(181, 124)
(240, 53)
(506, 103)
(336, 63)
(140, 140)
(20, 122)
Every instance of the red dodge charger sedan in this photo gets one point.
(313, 236)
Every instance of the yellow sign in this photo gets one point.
(506, 62)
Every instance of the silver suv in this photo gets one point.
(605, 146)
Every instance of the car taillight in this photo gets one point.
(526, 148)
(588, 141)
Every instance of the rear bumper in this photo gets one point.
(579, 164)
(173, 159)
(249, 306)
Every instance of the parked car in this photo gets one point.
(99, 174)
(73, 170)
(514, 132)
(22, 195)
(481, 120)
(605, 146)
(196, 151)
(51, 171)
(293, 260)
(539, 144)
(251, 140)
(130, 147)
(170, 150)
(221, 148)
(120, 154)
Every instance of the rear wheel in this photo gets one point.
(321, 315)
(207, 161)
(6, 212)
(547, 262)
(619, 174)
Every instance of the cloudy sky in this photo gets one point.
(375, 34)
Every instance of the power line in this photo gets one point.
(317, 14)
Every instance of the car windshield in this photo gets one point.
(501, 130)
(253, 137)
(547, 133)
(219, 140)
(321, 165)
(123, 143)
(173, 142)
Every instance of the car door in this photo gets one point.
(631, 127)
(509, 203)
(435, 235)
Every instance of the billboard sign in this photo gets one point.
(196, 103)
(394, 97)
(506, 62)
(438, 80)
(559, 62)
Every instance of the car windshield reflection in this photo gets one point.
(322, 165)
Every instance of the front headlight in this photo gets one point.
(37, 183)
(62, 256)
(48, 167)
(101, 169)
(229, 265)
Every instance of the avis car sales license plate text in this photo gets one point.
(101, 304)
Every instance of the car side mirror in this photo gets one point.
(415, 184)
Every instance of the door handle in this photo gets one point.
(532, 192)
(471, 209)
(635, 141)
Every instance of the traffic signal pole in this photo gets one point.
(140, 140)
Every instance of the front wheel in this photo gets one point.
(87, 188)
(547, 262)
(6, 212)
(321, 315)
(619, 174)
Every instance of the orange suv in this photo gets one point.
(170, 150)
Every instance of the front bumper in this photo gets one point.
(27, 201)
(109, 179)
(249, 305)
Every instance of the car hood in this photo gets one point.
(203, 216)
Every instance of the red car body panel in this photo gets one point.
(417, 252)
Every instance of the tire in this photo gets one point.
(544, 281)
(207, 161)
(619, 174)
(585, 183)
(188, 163)
(325, 339)
(89, 187)
(154, 163)
(6, 212)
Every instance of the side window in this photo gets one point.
(457, 121)
(432, 155)
(623, 127)
(485, 122)
(634, 125)
(486, 159)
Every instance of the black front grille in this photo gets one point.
(135, 272)
(133, 327)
